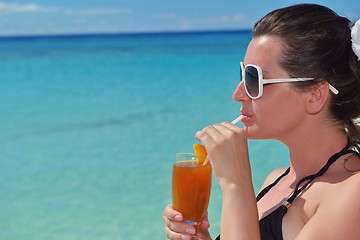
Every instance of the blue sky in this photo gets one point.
(33, 17)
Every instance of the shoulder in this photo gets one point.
(338, 212)
(349, 189)
(342, 189)
(272, 177)
(343, 192)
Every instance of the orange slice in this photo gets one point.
(200, 152)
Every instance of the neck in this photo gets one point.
(309, 153)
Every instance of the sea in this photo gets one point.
(90, 125)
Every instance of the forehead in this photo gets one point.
(263, 51)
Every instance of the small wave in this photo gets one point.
(126, 120)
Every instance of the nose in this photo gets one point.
(239, 94)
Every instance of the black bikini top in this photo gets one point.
(271, 225)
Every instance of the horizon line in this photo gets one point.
(92, 34)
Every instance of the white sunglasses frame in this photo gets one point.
(262, 81)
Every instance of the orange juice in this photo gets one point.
(191, 185)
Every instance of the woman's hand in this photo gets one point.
(226, 145)
(175, 229)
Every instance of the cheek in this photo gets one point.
(264, 118)
(279, 114)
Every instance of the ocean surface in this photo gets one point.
(90, 124)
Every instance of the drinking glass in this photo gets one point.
(191, 186)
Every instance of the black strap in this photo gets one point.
(310, 178)
(265, 190)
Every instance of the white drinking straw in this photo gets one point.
(235, 121)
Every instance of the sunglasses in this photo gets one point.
(254, 81)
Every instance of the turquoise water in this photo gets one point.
(90, 124)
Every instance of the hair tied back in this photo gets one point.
(355, 38)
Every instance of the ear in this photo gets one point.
(317, 97)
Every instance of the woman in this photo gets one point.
(312, 110)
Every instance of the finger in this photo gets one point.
(172, 214)
(205, 223)
(175, 236)
(208, 134)
(179, 227)
(239, 132)
(219, 134)
(178, 230)
(233, 126)
(174, 223)
(223, 128)
(229, 130)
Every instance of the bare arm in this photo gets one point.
(228, 153)
(239, 219)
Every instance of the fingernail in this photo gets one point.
(185, 237)
(178, 218)
(190, 230)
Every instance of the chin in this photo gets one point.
(255, 133)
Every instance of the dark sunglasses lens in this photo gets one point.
(252, 81)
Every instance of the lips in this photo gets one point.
(245, 116)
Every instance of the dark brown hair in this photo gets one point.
(318, 45)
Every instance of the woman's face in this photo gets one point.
(280, 109)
